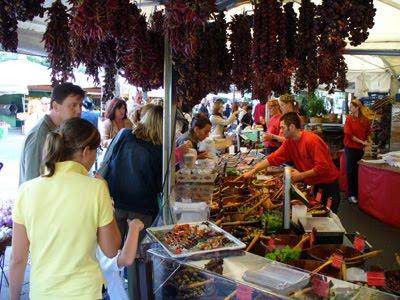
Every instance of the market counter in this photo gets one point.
(378, 192)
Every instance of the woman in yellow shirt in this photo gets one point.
(60, 217)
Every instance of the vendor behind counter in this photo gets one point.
(311, 157)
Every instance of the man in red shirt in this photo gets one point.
(311, 157)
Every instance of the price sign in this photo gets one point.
(337, 261)
(271, 244)
(376, 278)
(319, 286)
(244, 292)
(329, 203)
(318, 197)
(313, 236)
(359, 243)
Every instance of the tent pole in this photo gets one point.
(168, 133)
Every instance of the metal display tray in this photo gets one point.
(237, 243)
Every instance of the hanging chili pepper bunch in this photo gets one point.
(155, 38)
(268, 50)
(138, 60)
(107, 56)
(361, 15)
(306, 75)
(220, 78)
(89, 19)
(240, 39)
(28, 9)
(332, 23)
(57, 43)
(184, 20)
(8, 26)
(10, 12)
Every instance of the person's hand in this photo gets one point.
(296, 176)
(268, 137)
(186, 146)
(202, 155)
(367, 143)
(248, 174)
(135, 224)
(98, 176)
(235, 113)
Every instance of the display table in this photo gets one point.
(378, 192)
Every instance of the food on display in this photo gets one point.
(285, 254)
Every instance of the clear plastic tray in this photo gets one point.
(236, 244)
(278, 278)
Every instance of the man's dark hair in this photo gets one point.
(291, 118)
(200, 120)
(62, 91)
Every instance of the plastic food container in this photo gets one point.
(278, 278)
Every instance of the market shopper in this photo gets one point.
(272, 138)
(218, 121)
(356, 132)
(311, 157)
(116, 119)
(134, 176)
(66, 103)
(259, 114)
(288, 103)
(199, 131)
(246, 119)
(60, 217)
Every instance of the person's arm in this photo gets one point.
(300, 176)
(128, 252)
(182, 150)
(19, 258)
(270, 136)
(105, 133)
(108, 235)
(109, 239)
(217, 120)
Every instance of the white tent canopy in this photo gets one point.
(16, 75)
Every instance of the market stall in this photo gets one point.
(378, 185)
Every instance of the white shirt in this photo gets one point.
(112, 274)
(218, 124)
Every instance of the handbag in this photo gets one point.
(114, 147)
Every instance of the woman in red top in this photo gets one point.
(289, 104)
(356, 131)
(259, 114)
(272, 139)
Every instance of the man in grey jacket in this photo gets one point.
(66, 103)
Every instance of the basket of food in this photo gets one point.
(188, 239)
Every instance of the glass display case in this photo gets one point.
(242, 275)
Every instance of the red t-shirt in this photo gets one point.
(259, 111)
(274, 128)
(358, 127)
(308, 152)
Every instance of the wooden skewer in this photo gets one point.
(230, 296)
(237, 223)
(254, 207)
(218, 222)
(305, 238)
(366, 255)
(195, 285)
(301, 292)
(344, 272)
(253, 241)
(327, 263)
